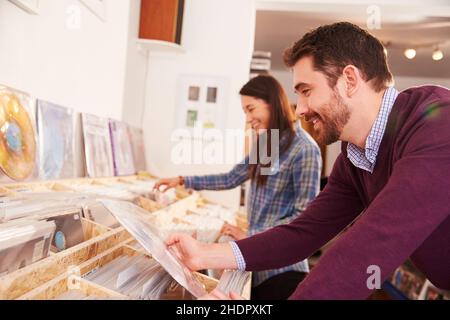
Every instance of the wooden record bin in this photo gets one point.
(52, 276)
(73, 279)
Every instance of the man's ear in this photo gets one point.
(352, 79)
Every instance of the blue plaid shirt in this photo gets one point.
(366, 159)
(283, 198)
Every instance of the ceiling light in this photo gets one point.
(410, 53)
(437, 55)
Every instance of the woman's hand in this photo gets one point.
(169, 183)
(233, 231)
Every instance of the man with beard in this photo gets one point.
(389, 187)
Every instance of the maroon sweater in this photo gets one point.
(402, 209)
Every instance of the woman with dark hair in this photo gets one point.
(284, 167)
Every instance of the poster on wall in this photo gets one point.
(201, 102)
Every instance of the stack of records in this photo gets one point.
(216, 211)
(138, 277)
(104, 191)
(133, 218)
(233, 281)
(38, 205)
(23, 243)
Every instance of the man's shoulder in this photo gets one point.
(421, 95)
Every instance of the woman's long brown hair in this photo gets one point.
(268, 89)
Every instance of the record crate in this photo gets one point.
(73, 279)
(98, 239)
(51, 276)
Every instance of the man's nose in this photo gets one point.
(301, 109)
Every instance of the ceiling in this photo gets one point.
(420, 26)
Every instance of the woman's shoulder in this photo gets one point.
(303, 140)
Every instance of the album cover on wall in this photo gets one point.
(137, 144)
(56, 141)
(121, 149)
(18, 147)
(97, 146)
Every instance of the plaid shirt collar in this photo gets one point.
(366, 158)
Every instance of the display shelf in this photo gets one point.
(159, 46)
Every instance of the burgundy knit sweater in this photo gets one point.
(402, 209)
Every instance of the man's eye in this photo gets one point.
(306, 91)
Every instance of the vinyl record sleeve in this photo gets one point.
(138, 146)
(56, 141)
(97, 146)
(133, 219)
(121, 149)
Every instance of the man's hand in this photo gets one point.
(168, 182)
(197, 255)
(235, 232)
(189, 250)
(216, 294)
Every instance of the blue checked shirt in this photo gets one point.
(366, 159)
(283, 198)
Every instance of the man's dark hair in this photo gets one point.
(337, 45)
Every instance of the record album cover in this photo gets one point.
(97, 146)
(18, 148)
(137, 144)
(68, 232)
(56, 141)
(121, 148)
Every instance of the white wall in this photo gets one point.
(79, 68)
(68, 56)
(218, 40)
(136, 71)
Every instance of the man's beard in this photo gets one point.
(334, 116)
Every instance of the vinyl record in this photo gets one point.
(17, 139)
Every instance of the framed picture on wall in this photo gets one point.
(202, 102)
(97, 7)
(30, 6)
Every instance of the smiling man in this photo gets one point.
(390, 183)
